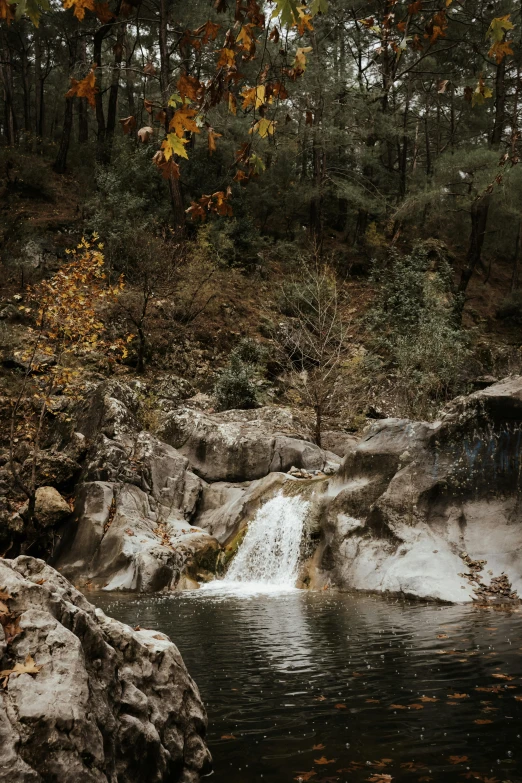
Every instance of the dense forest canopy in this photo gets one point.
(365, 119)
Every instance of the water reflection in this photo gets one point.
(384, 688)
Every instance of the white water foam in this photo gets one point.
(268, 559)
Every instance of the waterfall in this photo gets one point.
(268, 558)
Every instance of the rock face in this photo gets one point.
(106, 704)
(243, 445)
(152, 512)
(413, 498)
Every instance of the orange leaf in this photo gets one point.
(86, 88)
(80, 6)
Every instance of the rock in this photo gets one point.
(340, 443)
(238, 446)
(50, 508)
(105, 703)
(413, 496)
(54, 469)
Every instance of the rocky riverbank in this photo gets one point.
(397, 511)
(86, 698)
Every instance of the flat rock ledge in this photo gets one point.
(104, 704)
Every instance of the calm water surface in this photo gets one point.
(383, 690)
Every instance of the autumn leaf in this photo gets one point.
(397, 707)
(480, 93)
(428, 698)
(145, 134)
(340, 706)
(173, 145)
(264, 127)
(7, 11)
(253, 96)
(148, 106)
(498, 27)
(458, 696)
(189, 87)
(183, 120)
(232, 103)
(320, 746)
(416, 706)
(128, 124)
(103, 12)
(4, 596)
(212, 136)
(28, 667)
(227, 58)
(458, 759)
(227, 736)
(380, 778)
(503, 676)
(149, 69)
(323, 760)
(482, 721)
(80, 6)
(287, 11)
(86, 88)
(303, 776)
(300, 57)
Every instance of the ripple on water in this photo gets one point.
(381, 688)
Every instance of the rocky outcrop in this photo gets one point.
(86, 698)
(237, 446)
(413, 500)
(153, 512)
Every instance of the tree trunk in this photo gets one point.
(83, 121)
(176, 197)
(99, 36)
(113, 94)
(6, 74)
(60, 164)
(38, 85)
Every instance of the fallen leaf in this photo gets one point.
(305, 775)
(324, 760)
(458, 759)
(503, 677)
(482, 721)
(458, 695)
(28, 667)
(428, 698)
(318, 747)
(227, 736)
(340, 706)
(397, 707)
(5, 596)
(416, 706)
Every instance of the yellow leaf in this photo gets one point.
(80, 7)
(173, 145)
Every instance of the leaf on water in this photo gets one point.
(428, 698)
(503, 677)
(482, 721)
(320, 698)
(305, 775)
(227, 736)
(318, 747)
(458, 759)
(458, 696)
(397, 707)
(373, 701)
(324, 760)
(340, 706)
(416, 706)
(379, 778)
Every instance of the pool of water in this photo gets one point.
(333, 687)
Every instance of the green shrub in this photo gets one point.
(248, 351)
(414, 331)
(235, 387)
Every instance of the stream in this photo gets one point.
(341, 687)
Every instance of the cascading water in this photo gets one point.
(268, 558)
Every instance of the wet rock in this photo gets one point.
(104, 703)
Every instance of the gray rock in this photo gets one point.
(107, 703)
(242, 445)
(412, 496)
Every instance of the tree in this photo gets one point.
(67, 329)
(312, 341)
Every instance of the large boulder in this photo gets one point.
(416, 507)
(237, 446)
(98, 701)
(50, 508)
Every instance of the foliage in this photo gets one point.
(236, 387)
(414, 332)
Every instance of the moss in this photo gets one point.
(231, 548)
